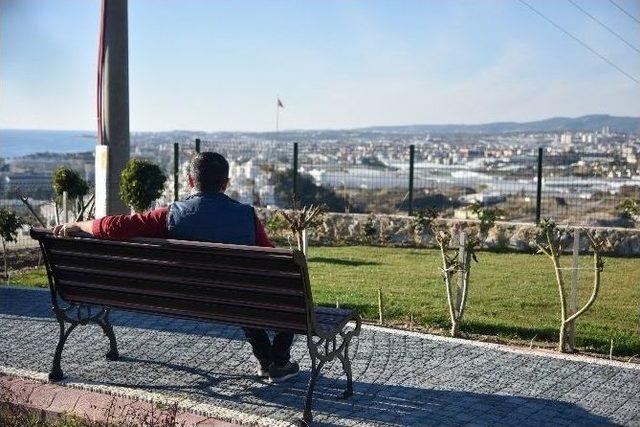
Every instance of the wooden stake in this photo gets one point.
(573, 295)
(462, 256)
(305, 246)
(380, 319)
(611, 350)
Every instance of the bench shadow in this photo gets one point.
(347, 262)
(372, 403)
(36, 303)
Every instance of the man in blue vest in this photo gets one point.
(207, 215)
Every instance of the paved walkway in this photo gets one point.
(399, 378)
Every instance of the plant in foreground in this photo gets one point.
(456, 261)
(549, 242)
(68, 180)
(10, 224)
(299, 220)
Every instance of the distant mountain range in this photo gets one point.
(589, 123)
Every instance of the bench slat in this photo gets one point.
(178, 275)
(172, 248)
(110, 276)
(242, 316)
(190, 293)
(206, 266)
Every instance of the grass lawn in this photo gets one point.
(511, 296)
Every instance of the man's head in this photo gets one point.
(209, 172)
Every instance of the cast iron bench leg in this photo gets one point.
(346, 366)
(307, 418)
(83, 315)
(56, 373)
(108, 331)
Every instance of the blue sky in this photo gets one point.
(219, 65)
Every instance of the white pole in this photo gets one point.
(304, 243)
(573, 296)
(65, 210)
(462, 256)
(102, 180)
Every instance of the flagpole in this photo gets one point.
(277, 114)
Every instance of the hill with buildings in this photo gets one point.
(590, 123)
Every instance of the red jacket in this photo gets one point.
(151, 224)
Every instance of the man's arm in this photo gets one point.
(261, 235)
(119, 227)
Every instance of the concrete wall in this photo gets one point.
(401, 231)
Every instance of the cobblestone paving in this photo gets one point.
(399, 379)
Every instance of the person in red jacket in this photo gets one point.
(207, 215)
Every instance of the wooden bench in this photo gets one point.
(237, 285)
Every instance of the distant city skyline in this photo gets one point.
(214, 66)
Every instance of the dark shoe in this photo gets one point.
(262, 370)
(278, 374)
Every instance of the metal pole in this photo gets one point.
(295, 172)
(197, 145)
(176, 170)
(539, 187)
(115, 100)
(412, 155)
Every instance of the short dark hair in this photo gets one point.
(209, 171)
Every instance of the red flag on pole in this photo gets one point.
(280, 104)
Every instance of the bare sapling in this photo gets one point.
(549, 243)
(301, 220)
(457, 257)
(10, 224)
(456, 261)
(25, 200)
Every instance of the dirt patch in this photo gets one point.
(20, 259)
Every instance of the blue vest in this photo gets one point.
(212, 218)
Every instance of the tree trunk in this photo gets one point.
(454, 328)
(561, 340)
(299, 240)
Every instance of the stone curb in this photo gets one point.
(224, 416)
(53, 402)
(507, 348)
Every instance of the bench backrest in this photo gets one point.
(241, 285)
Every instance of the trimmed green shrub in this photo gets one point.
(66, 179)
(141, 182)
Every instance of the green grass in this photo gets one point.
(34, 278)
(511, 296)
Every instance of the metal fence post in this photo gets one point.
(295, 171)
(412, 155)
(539, 187)
(197, 145)
(176, 170)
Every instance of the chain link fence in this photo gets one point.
(392, 178)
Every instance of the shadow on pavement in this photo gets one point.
(372, 403)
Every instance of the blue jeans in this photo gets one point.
(278, 352)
